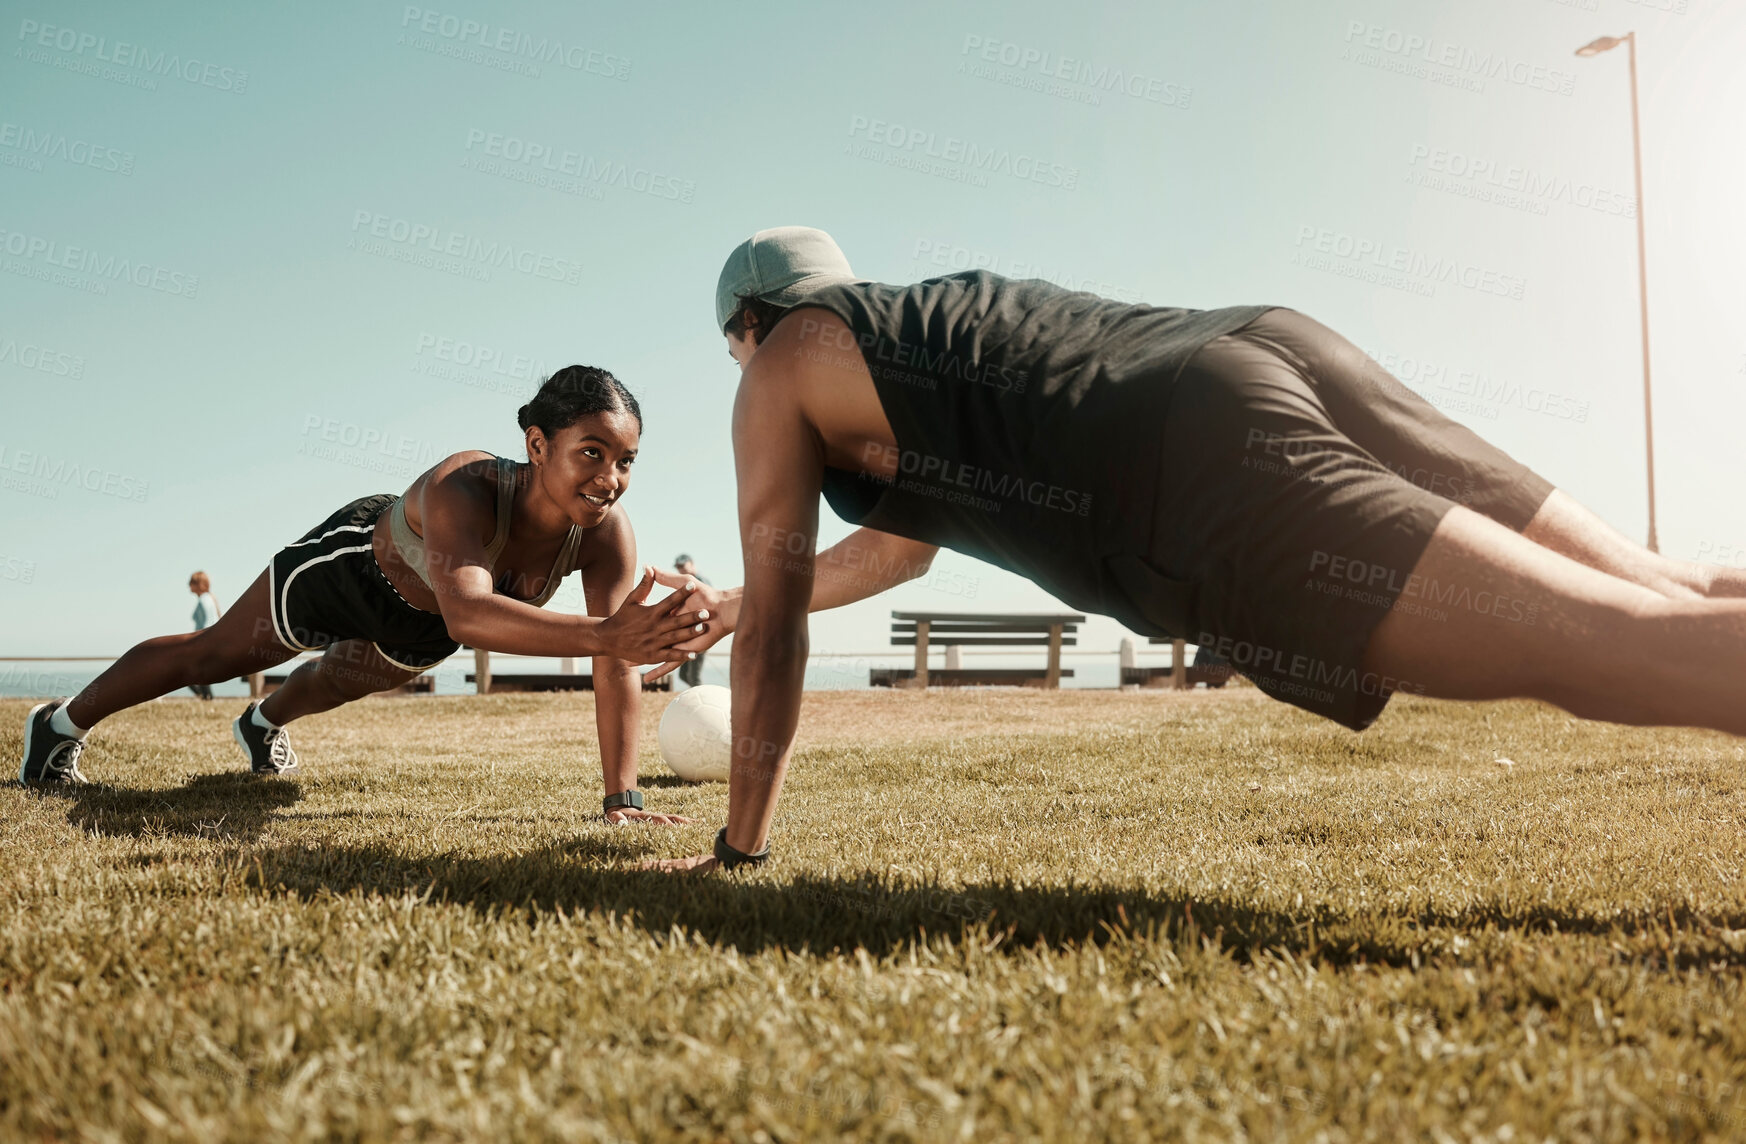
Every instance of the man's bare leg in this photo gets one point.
(1599, 646)
(1566, 527)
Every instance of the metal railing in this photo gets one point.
(482, 660)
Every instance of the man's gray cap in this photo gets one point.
(780, 265)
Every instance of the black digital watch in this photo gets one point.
(629, 799)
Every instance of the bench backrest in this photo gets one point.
(972, 628)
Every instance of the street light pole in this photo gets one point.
(1604, 44)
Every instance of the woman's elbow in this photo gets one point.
(466, 624)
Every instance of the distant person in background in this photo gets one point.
(206, 614)
(691, 671)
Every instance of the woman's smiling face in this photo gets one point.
(586, 467)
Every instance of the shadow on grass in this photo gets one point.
(232, 806)
(816, 914)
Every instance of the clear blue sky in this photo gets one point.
(213, 312)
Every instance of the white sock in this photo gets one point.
(61, 725)
(262, 721)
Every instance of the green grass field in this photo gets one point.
(993, 915)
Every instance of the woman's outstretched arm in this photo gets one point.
(475, 614)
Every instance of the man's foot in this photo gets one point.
(49, 756)
(269, 752)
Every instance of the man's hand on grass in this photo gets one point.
(696, 864)
(623, 814)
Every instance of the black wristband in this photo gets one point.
(730, 858)
(630, 798)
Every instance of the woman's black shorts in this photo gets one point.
(327, 587)
(1300, 485)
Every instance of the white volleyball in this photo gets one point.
(695, 738)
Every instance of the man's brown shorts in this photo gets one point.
(1301, 483)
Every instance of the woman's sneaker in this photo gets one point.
(49, 756)
(269, 752)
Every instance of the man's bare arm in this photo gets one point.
(779, 463)
(862, 564)
(866, 563)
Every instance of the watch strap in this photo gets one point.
(629, 798)
(730, 858)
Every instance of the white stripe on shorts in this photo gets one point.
(397, 663)
(282, 595)
(330, 532)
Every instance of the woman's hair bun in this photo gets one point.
(573, 393)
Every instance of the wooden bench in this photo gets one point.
(1054, 630)
(1180, 673)
(485, 681)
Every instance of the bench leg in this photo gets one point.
(921, 654)
(1178, 665)
(1053, 679)
(482, 670)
